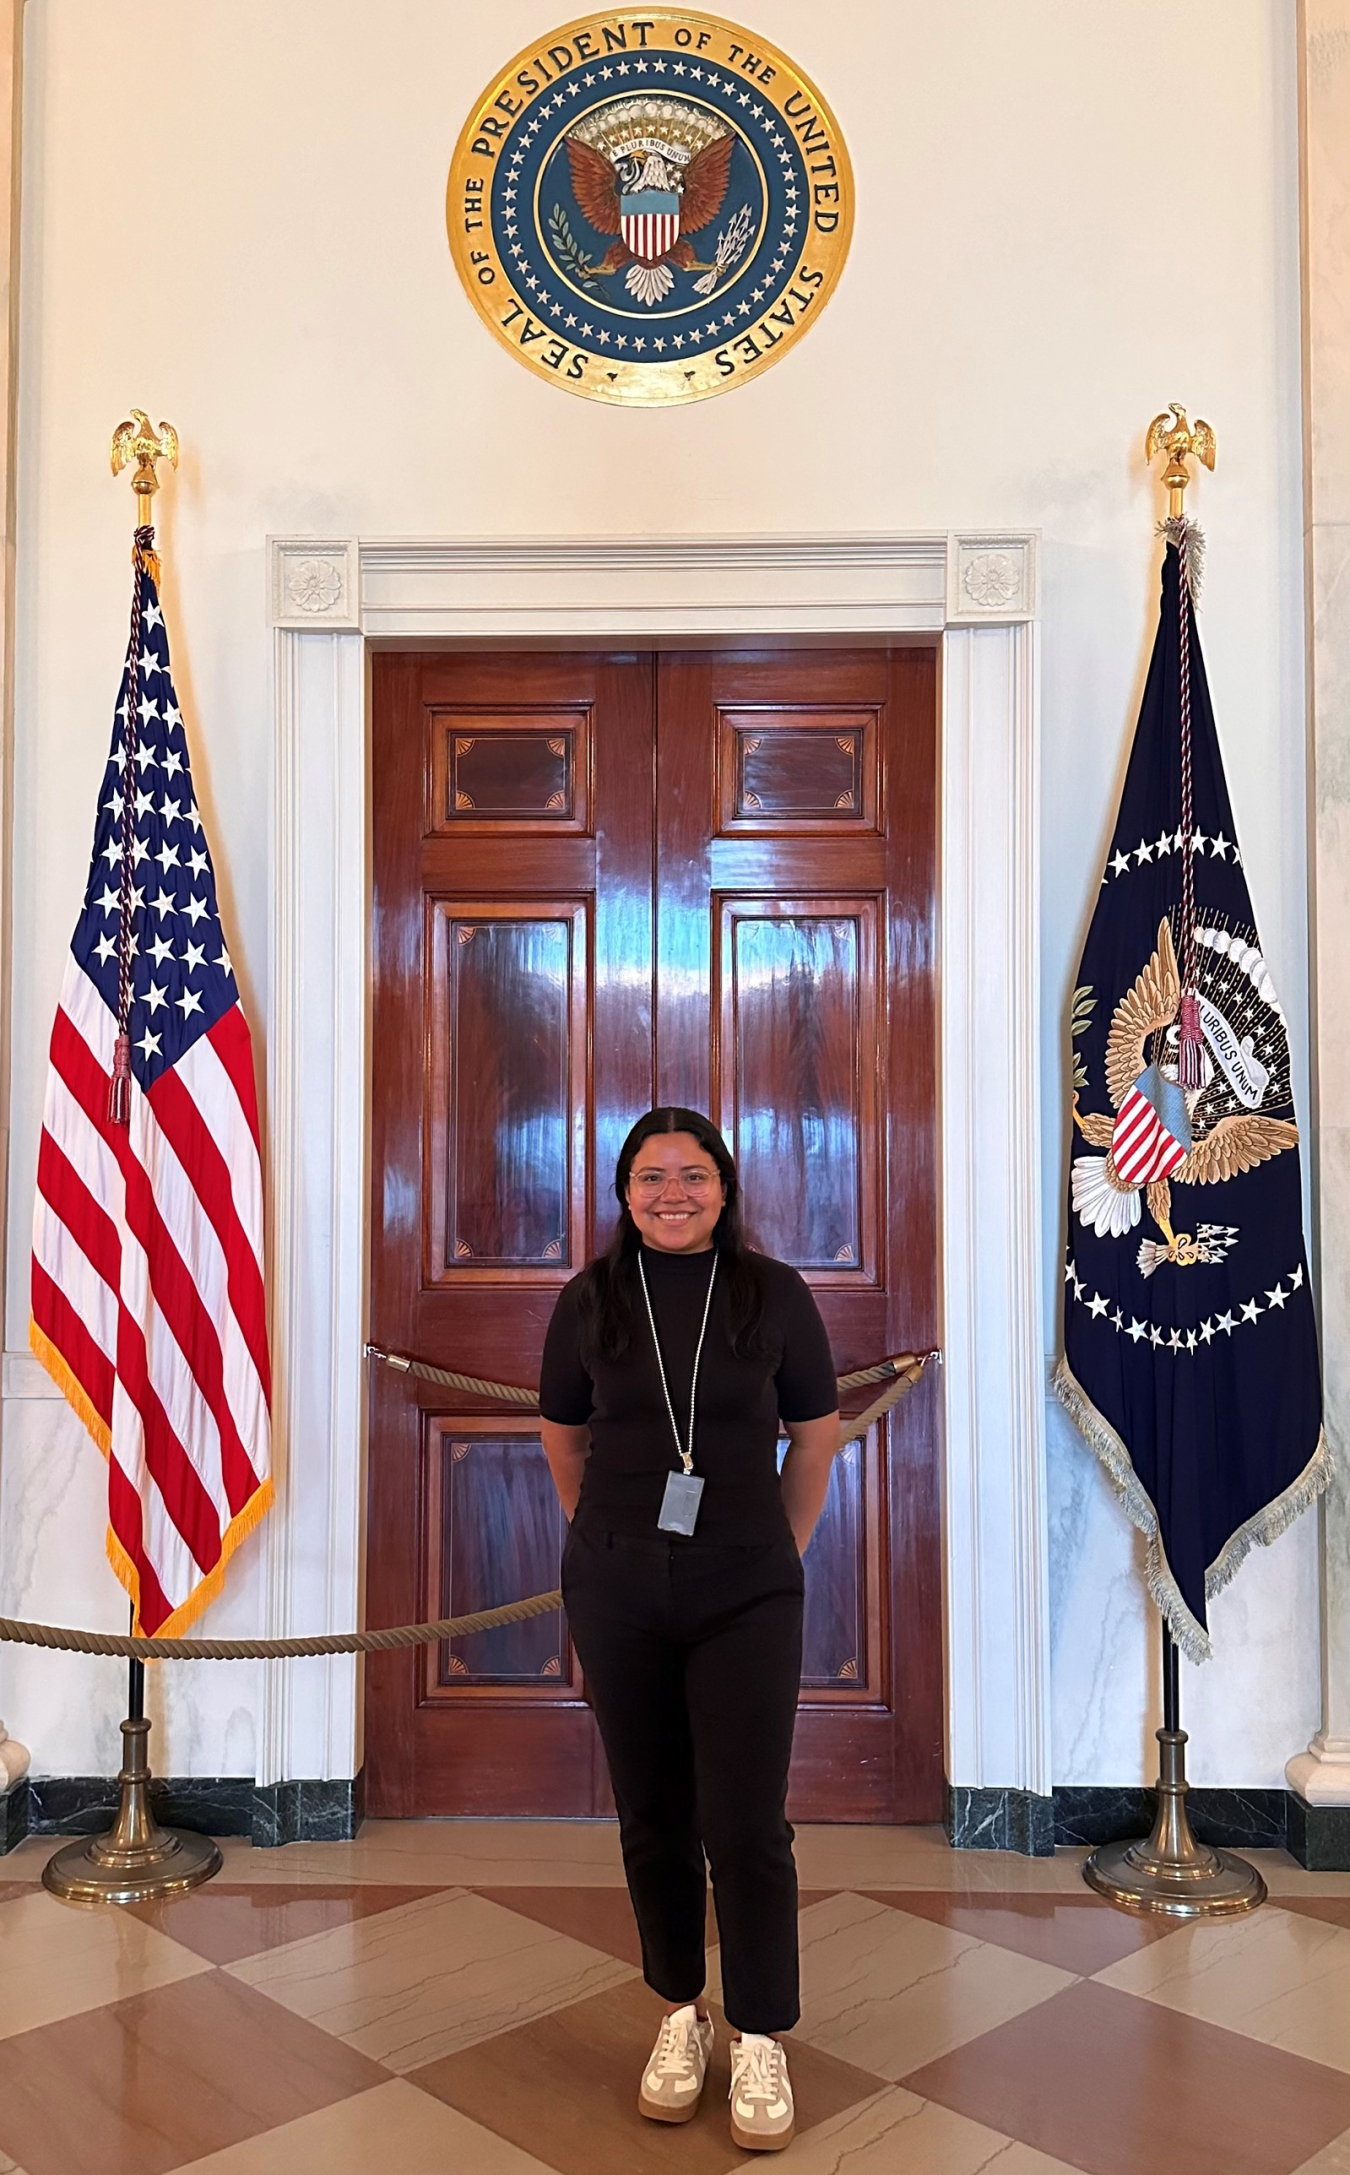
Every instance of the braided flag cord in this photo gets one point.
(1189, 1056)
(147, 1274)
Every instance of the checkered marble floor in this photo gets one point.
(463, 1998)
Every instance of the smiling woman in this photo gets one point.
(669, 1364)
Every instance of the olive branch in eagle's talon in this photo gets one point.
(578, 264)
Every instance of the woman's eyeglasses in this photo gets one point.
(647, 1184)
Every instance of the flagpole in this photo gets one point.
(1171, 1874)
(137, 1861)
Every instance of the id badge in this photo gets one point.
(679, 1505)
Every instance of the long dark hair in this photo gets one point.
(607, 1298)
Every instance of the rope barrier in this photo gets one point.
(337, 1642)
(902, 1371)
(511, 1392)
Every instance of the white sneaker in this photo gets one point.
(673, 2079)
(762, 2118)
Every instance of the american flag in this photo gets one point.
(147, 1290)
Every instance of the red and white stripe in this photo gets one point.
(1142, 1148)
(651, 234)
(148, 1303)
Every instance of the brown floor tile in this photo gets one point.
(1114, 2085)
(565, 2089)
(601, 1916)
(58, 1960)
(1335, 1909)
(1333, 2159)
(225, 1924)
(166, 2077)
(394, 2130)
(1079, 1933)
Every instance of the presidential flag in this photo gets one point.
(1190, 1349)
(147, 1279)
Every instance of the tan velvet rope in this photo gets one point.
(903, 1372)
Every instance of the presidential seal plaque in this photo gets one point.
(650, 208)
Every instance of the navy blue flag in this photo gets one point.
(1190, 1348)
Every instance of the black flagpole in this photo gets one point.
(1171, 1675)
(136, 1676)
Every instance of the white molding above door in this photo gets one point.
(976, 593)
(686, 588)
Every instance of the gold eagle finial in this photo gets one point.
(137, 440)
(1170, 433)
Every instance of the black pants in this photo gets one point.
(692, 1656)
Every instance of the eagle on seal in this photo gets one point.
(651, 200)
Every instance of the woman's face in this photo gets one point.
(675, 1195)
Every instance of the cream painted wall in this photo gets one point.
(1041, 259)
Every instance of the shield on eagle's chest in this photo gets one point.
(650, 220)
(1152, 1132)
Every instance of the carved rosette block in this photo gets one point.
(990, 579)
(315, 582)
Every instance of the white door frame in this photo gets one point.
(976, 594)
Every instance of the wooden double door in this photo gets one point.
(601, 883)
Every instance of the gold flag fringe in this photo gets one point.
(1265, 1527)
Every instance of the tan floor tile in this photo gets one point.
(882, 1857)
(145, 2085)
(1114, 2085)
(412, 1984)
(26, 1862)
(395, 2126)
(897, 2134)
(1278, 1976)
(446, 1853)
(565, 2087)
(225, 1924)
(1078, 1933)
(58, 1960)
(888, 1992)
(1283, 1875)
(603, 1917)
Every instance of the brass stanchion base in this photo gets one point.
(1172, 1874)
(137, 1861)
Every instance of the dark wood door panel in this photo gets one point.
(507, 1006)
(525, 765)
(512, 1032)
(808, 921)
(796, 1011)
(602, 882)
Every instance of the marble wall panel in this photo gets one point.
(53, 1569)
(1243, 1709)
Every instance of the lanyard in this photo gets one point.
(686, 1455)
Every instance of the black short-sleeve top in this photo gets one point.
(739, 1405)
